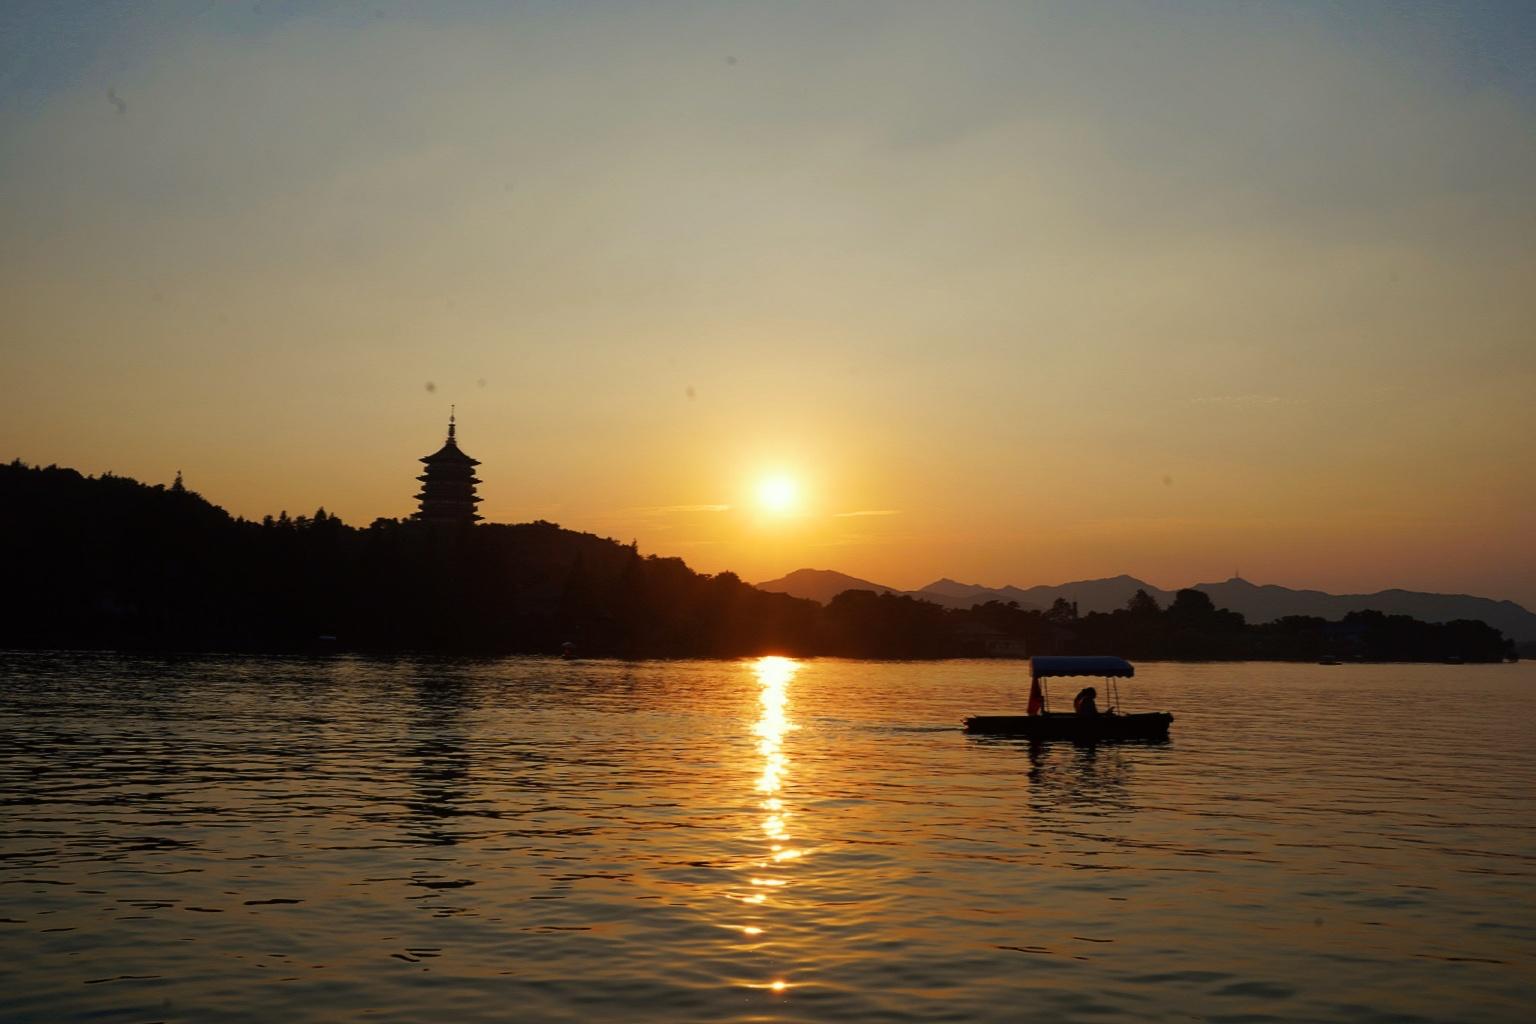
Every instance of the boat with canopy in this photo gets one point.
(1041, 723)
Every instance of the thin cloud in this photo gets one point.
(868, 512)
(669, 509)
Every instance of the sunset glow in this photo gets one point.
(778, 494)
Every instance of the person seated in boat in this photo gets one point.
(1085, 703)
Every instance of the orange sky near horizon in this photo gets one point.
(1012, 294)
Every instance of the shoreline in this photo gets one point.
(380, 654)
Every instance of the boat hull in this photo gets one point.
(1078, 728)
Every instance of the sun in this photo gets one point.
(778, 494)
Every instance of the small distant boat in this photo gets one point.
(1043, 724)
(1328, 659)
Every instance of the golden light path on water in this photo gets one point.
(774, 675)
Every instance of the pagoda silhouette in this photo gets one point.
(448, 486)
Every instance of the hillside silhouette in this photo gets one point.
(108, 562)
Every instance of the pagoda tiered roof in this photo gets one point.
(451, 453)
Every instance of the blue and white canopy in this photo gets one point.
(1103, 667)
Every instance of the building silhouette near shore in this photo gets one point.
(448, 486)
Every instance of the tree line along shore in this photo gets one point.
(110, 563)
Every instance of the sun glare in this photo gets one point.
(778, 494)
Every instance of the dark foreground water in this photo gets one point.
(235, 839)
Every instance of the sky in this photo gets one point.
(1011, 293)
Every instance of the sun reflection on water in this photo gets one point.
(774, 675)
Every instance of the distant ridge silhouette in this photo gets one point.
(1257, 602)
(821, 585)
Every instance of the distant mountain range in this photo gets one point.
(1258, 603)
(822, 585)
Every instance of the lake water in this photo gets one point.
(239, 839)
